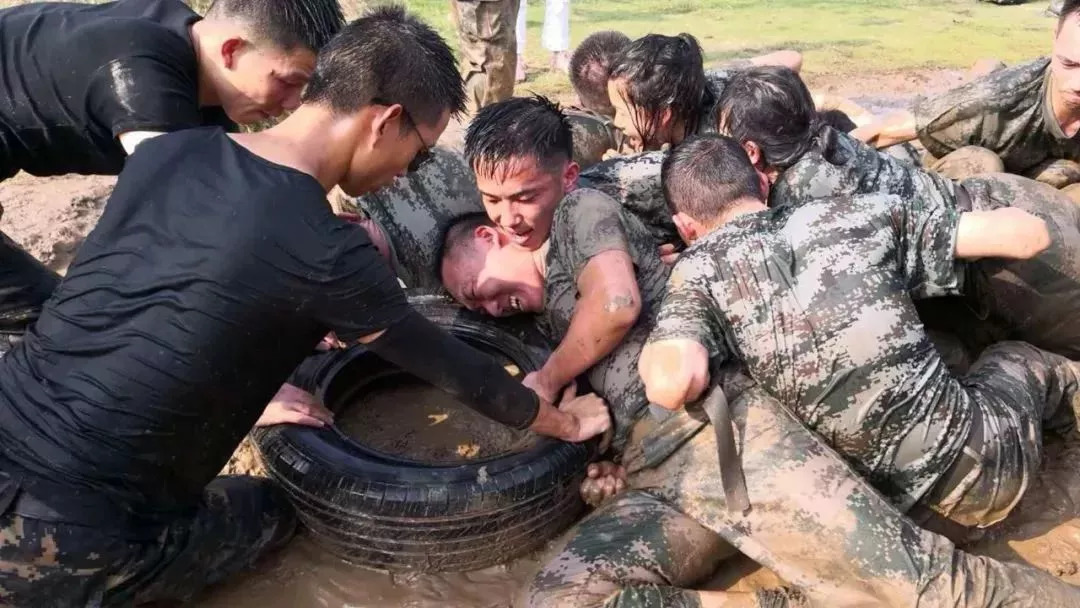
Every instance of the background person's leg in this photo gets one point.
(556, 33)
(520, 35)
(1056, 172)
(489, 48)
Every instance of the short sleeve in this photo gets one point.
(689, 311)
(948, 122)
(925, 238)
(360, 295)
(588, 224)
(144, 93)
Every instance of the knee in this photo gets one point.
(975, 160)
(1059, 174)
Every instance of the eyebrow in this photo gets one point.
(518, 194)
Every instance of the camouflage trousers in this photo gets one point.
(488, 48)
(971, 161)
(813, 520)
(57, 565)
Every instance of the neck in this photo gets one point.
(743, 206)
(292, 143)
(539, 259)
(202, 41)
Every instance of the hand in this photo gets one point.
(603, 481)
(668, 254)
(292, 405)
(589, 412)
(675, 372)
(610, 154)
(330, 342)
(537, 382)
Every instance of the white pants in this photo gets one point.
(556, 33)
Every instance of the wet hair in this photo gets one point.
(1068, 9)
(661, 73)
(838, 120)
(286, 24)
(454, 235)
(706, 173)
(590, 65)
(520, 127)
(770, 106)
(388, 57)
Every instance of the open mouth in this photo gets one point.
(520, 238)
(515, 304)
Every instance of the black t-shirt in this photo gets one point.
(209, 278)
(75, 76)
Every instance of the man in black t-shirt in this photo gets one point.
(84, 84)
(217, 266)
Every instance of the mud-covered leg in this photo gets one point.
(635, 552)
(1057, 173)
(966, 162)
(1017, 390)
(822, 528)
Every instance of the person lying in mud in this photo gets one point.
(216, 268)
(816, 301)
(1023, 119)
(653, 544)
(770, 111)
(595, 135)
(85, 84)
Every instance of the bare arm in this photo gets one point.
(1008, 232)
(895, 128)
(607, 308)
(675, 372)
(787, 58)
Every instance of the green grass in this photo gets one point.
(837, 37)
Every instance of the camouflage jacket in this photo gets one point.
(594, 134)
(815, 301)
(835, 164)
(414, 209)
(634, 181)
(588, 223)
(1007, 112)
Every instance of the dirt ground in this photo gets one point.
(51, 217)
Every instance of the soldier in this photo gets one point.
(834, 335)
(216, 268)
(590, 65)
(771, 112)
(1021, 119)
(653, 544)
(488, 47)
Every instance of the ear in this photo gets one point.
(754, 152)
(666, 118)
(487, 234)
(688, 227)
(385, 119)
(570, 176)
(230, 50)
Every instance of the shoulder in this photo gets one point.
(113, 37)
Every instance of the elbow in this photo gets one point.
(1039, 242)
(791, 59)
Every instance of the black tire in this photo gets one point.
(387, 512)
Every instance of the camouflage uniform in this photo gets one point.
(816, 301)
(594, 135)
(813, 519)
(44, 563)
(634, 181)
(1007, 113)
(488, 48)
(413, 210)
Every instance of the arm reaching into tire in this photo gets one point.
(483, 384)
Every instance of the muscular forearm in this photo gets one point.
(1008, 232)
(599, 324)
(896, 128)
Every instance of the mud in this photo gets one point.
(51, 217)
(407, 418)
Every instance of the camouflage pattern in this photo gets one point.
(635, 182)
(905, 153)
(1054, 8)
(1007, 112)
(835, 336)
(488, 48)
(1055, 172)
(43, 563)
(587, 223)
(594, 135)
(966, 162)
(813, 520)
(1073, 192)
(413, 210)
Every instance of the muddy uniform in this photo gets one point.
(594, 135)
(816, 300)
(1035, 301)
(813, 519)
(75, 77)
(488, 48)
(634, 181)
(1007, 112)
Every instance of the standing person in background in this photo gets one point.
(555, 36)
(488, 49)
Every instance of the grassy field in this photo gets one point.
(837, 37)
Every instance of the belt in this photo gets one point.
(715, 406)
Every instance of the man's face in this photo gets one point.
(1065, 65)
(520, 196)
(393, 142)
(265, 81)
(493, 276)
